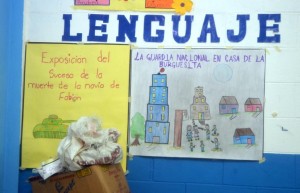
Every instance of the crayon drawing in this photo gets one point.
(199, 103)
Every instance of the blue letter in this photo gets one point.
(67, 37)
(127, 28)
(263, 18)
(243, 29)
(92, 34)
(209, 19)
(186, 37)
(148, 28)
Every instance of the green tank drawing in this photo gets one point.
(52, 127)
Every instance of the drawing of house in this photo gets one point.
(253, 105)
(157, 123)
(199, 108)
(243, 136)
(228, 105)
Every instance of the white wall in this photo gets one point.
(44, 23)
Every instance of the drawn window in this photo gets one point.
(163, 80)
(150, 129)
(151, 108)
(153, 89)
(163, 108)
(151, 116)
(194, 107)
(203, 100)
(162, 117)
(155, 80)
(165, 131)
(200, 116)
(206, 107)
(153, 95)
(153, 101)
(197, 100)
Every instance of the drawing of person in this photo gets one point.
(194, 124)
(192, 146)
(207, 132)
(196, 135)
(217, 144)
(214, 130)
(189, 133)
(202, 146)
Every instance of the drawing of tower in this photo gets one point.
(157, 123)
(180, 115)
(199, 108)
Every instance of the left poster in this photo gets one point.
(64, 82)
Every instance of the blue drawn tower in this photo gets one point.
(157, 124)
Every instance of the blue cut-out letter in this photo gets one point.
(209, 19)
(67, 25)
(127, 28)
(243, 29)
(92, 33)
(148, 28)
(186, 37)
(263, 18)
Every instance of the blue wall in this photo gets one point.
(11, 15)
(3, 34)
(278, 174)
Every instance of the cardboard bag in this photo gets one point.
(92, 179)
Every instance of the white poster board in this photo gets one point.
(204, 103)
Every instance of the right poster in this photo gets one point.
(197, 103)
